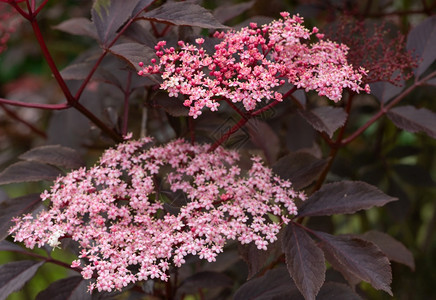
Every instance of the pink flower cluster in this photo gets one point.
(116, 213)
(249, 65)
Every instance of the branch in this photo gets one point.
(228, 134)
(13, 115)
(106, 50)
(35, 105)
(384, 109)
(50, 62)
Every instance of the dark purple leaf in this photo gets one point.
(344, 197)
(225, 13)
(78, 26)
(413, 119)
(392, 248)
(224, 261)
(142, 4)
(183, 14)
(8, 246)
(357, 257)
(300, 168)
(325, 118)
(346, 273)
(109, 15)
(431, 81)
(77, 71)
(15, 274)
(204, 280)
(140, 32)
(262, 135)
(305, 261)
(71, 288)
(299, 134)
(275, 284)
(384, 91)
(173, 106)
(257, 259)
(133, 53)
(14, 207)
(422, 40)
(80, 71)
(336, 291)
(25, 171)
(300, 96)
(55, 155)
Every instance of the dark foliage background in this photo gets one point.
(401, 163)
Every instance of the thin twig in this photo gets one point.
(13, 115)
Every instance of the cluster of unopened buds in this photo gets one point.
(250, 65)
(120, 217)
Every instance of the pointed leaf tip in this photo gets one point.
(357, 259)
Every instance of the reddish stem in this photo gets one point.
(235, 108)
(19, 10)
(384, 109)
(35, 105)
(228, 134)
(13, 115)
(50, 62)
(41, 6)
(245, 120)
(48, 259)
(106, 50)
(334, 146)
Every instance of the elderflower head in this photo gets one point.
(121, 221)
(249, 65)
